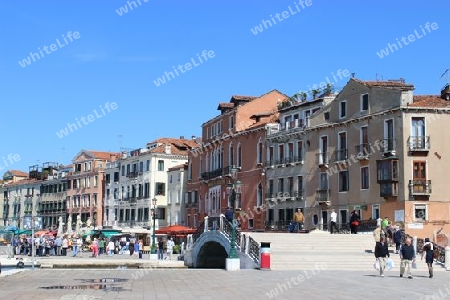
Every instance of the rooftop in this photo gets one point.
(434, 101)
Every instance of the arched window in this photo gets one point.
(259, 195)
(230, 155)
(259, 152)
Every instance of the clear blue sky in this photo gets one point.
(117, 58)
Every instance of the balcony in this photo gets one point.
(323, 196)
(271, 196)
(341, 155)
(363, 151)
(299, 195)
(389, 189)
(323, 159)
(420, 187)
(216, 173)
(133, 174)
(419, 144)
(389, 147)
(270, 163)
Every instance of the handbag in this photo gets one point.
(376, 265)
(389, 264)
(355, 223)
(414, 265)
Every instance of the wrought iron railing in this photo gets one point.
(253, 251)
(226, 230)
(198, 233)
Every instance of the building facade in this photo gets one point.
(235, 138)
(287, 167)
(86, 186)
(140, 176)
(176, 205)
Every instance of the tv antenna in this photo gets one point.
(447, 75)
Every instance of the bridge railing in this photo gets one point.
(226, 228)
(420, 242)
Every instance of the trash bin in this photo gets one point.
(264, 258)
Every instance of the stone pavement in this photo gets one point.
(316, 283)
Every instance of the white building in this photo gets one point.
(138, 177)
(177, 188)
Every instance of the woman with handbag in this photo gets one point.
(428, 251)
(354, 222)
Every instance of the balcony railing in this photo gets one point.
(388, 189)
(341, 155)
(389, 146)
(420, 187)
(363, 151)
(419, 143)
(323, 159)
(216, 173)
(299, 194)
(270, 162)
(322, 195)
(133, 174)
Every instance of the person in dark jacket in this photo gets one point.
(354, 222)
(381, 251)
(398, 234)
(408, 256)
(428, 251)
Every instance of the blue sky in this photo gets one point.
(118, 58)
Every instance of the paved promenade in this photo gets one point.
(180, 284)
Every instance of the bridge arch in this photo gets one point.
(210, 250)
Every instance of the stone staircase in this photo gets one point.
(290, 251)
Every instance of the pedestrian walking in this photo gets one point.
(299, 218)
(170, 245)
(407, 256)
(354, 222)
(398, 234)
(381, 251)
(333, 217)
(110, 248)
(377, 234)
(160, 249)
(428, 251)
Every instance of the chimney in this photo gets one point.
(445, 92)
(112, 158)
(168, 149)
(182, 137)
(193, 137)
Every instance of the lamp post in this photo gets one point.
(154, 200)
(233, 189)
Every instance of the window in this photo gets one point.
(281, 153)
(259, 195)
(323, 181)
(375, 211)
(147, 168)
(299, 151)
(420, 212)
(170, 178)
(259, 152)
(300, 183)
(123, 170)
(141, 166)
(128, 169)
(365, 102)
(179, 176)
(88, 182)
(365, 178)
(108, 179)
(417, 140)
(326, 115)
(387, 170)
(290, 151)
(280, 185)
(116, 177)
(160, 165)
(230, 156)
(160, 213)
(160, 188)
(290, 181)
(343, 181)
(342, 109)
(389, 137)
(231, 122)
(239, 155)
(341, 154)
(270, 155)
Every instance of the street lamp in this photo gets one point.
(154, 200)
(233, 188)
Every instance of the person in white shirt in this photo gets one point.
(170, 245)
(333, 217)
(110, 248)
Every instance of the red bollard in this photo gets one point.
(264, 259)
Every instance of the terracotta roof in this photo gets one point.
(429, 101)
(23, 182)
(387, 84)
(223, 105)
(102, 154)
(178, 146)
(177, 167)
(235, 98)
(18, 173)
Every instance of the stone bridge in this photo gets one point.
(211, 244)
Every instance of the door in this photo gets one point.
(417, 140)
(343, 213)
(419, 176)
(323, 158)
(324, 220)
